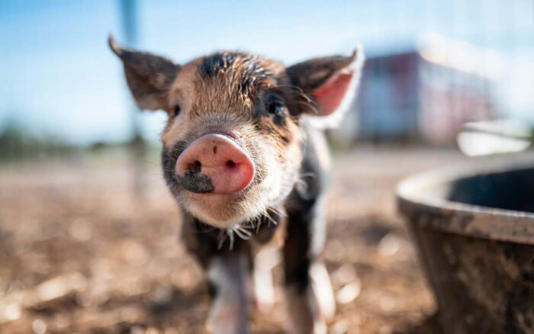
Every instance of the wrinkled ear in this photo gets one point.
(330, 82)
(149, 76)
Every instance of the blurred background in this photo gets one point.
(88, 232)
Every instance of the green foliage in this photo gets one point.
(17, 144)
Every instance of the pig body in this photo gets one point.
(244, 162)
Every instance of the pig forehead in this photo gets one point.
(243, 66)
(228, 73)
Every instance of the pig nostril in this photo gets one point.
(230, 164)
(195, 167)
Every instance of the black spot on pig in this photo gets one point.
(193, 180)
(217, 63)
(196, 182)
(168, 162)
(249, 69)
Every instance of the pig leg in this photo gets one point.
(226, 270)
(264, 262)
(308, 291)
(228, 314)
(266, 257)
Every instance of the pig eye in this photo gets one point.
(176, 111)
(276, 108)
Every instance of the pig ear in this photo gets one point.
(329, 83)
(149, 76)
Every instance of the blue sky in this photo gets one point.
(59, 77)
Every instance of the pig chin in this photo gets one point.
(222, 211)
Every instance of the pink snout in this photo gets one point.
(218, 161)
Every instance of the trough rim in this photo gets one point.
(432, 212)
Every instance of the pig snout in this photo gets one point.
(214, 163)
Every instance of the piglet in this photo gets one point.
(244, 154)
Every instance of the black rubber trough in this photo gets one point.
(473, 227)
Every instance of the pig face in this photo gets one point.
(232, 142)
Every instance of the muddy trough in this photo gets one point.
(474, 230)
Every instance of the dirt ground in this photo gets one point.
(81, 253)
